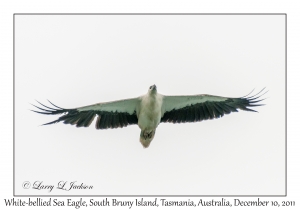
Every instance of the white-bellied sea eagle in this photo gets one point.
(149, 110)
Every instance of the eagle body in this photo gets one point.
(149, 115)
(151, 109)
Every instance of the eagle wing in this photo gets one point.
(194, 108)
(113, 114)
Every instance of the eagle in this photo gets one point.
(151, 109)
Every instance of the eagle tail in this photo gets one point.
(146, 137)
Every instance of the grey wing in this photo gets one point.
(113, 114)
(180, 109)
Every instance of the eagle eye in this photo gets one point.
(150, 87)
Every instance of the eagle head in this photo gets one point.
(152, 89)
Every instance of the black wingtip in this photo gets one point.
(257, 95)
(46, 106)
(250, 110)
(248, 93)
(42, 108)
(54, 105)
(248, 102)
(49, 110)
(49, 113)
(52, 122)
(53, 111)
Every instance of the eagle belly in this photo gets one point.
(149, 121)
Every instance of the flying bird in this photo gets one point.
(151, 109)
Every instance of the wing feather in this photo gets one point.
(110, 115)
(195, 108)
(215, 111)
(201, 112)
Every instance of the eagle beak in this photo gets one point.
(154, 87)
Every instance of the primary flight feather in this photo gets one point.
(149, 110)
